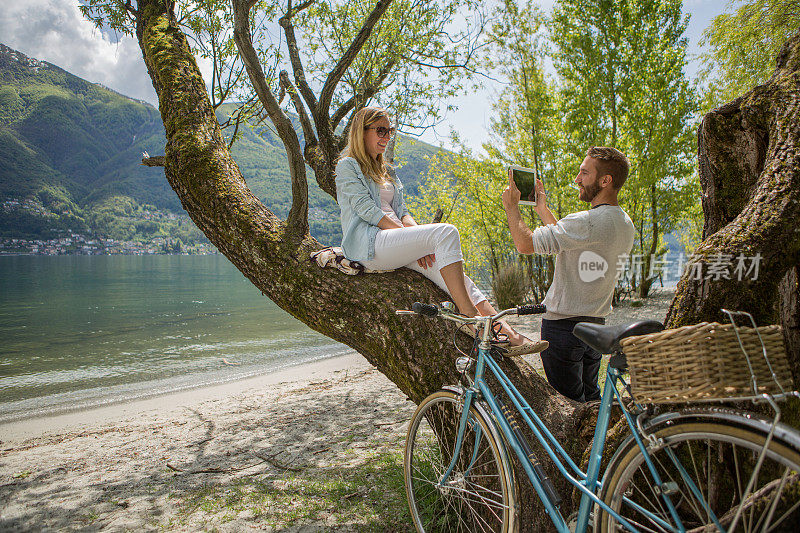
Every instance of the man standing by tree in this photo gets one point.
(588, 246)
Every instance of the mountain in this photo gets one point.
(70, 153)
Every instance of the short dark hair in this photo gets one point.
(612, 162)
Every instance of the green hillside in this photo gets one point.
(70, 153)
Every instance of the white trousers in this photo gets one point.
(401, 247)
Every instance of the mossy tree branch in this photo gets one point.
(416, 354)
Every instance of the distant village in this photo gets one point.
(76, 244)
(79, 244)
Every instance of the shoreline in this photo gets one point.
(314, 448)
(311, 448)
(32, 426)
(19, 430)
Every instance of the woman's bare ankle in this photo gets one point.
(515, 338)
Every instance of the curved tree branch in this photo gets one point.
(298, 214)
(289, 88)
(329, 145)
(362, 96)
(294, 54)
(129, 8)
(350, 55)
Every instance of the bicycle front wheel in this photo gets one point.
(719, 457)
(479, 495)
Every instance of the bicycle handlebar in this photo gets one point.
(531, 309)
(423, 309)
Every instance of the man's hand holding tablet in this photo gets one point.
(525, 185)
(526, 182)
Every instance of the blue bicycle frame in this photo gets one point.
(587, 482)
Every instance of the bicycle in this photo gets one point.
(698, 469)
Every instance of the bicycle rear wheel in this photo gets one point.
(719, 453)
(479, 495)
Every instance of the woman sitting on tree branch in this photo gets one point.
(379, 232)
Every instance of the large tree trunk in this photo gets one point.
(750, 173)
(416, 354)
(789, 291)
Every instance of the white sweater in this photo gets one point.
(589, 246)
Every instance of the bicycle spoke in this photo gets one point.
(474, 497)
(680, 460)
(645, 528)
(697, 476)
(774, 502)
(791, 510)
(490, 503)
(709, 474)
(646, 477)
(690, 498)
(481, 521)
(748, 517)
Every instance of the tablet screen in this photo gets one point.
(525, 179)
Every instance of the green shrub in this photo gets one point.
(510, 286)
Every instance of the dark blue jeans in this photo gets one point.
(570, 364)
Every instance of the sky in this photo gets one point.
(54, 31)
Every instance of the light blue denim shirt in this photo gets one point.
(359, 199)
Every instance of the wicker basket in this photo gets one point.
(704, 362)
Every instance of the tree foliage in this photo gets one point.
(744, 43)
(467, 191)
(620, 82)
(417, 56)
(405, 65)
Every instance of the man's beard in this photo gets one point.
(589, 192)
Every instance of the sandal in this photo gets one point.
(526, 348)
(498, 338)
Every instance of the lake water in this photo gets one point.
(83, 331)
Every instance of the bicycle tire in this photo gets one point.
(482, 492)
(719, 451)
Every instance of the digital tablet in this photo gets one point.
(525, 179)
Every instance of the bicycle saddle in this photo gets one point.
(605, 339)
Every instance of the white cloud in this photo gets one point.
(55, 31)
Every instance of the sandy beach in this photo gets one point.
(311, 448)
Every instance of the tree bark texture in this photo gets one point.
(750, 173)
(789, 291)
(415, 353)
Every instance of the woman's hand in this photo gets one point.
(427, 261)
(387, 223)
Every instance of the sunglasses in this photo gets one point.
(382, 131)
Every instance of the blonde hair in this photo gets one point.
(377, 168)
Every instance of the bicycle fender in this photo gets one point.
(729, 416)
